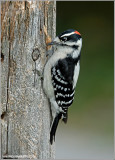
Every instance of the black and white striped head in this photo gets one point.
(69, 38)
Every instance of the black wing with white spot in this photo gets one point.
(63, 88)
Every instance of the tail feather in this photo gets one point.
(54, 127)
(65, 116)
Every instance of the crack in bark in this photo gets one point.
(25, 4)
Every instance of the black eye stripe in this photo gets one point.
(63, 38)
(71, 38)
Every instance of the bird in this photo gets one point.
(61, 74)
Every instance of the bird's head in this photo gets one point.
(69, 39)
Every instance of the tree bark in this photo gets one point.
(26, 118)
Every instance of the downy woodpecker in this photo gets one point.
(61, 74)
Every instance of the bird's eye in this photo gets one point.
(63, 39)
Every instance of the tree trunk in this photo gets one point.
(26, 118)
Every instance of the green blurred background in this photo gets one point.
(89, 131)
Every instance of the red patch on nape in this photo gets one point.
(77, 33)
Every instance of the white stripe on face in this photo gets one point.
(68, 34)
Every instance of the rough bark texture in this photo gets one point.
(26, 28)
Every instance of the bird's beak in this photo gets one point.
(51, 43)
(54, 42)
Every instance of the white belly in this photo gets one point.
(47, 83)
